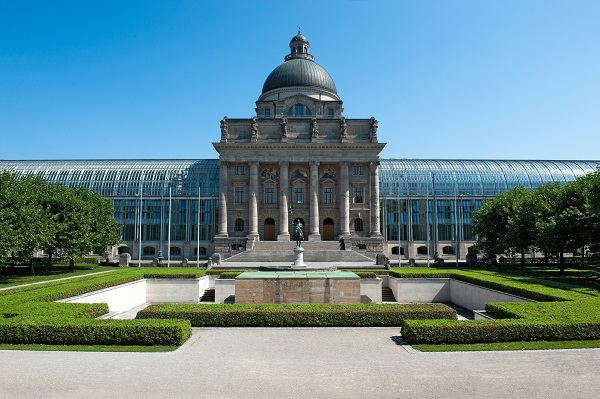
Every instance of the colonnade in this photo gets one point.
(343, 200)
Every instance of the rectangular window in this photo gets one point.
(330, 112)
(269, 195)
(358, 195)
(357, 170)
(267, 112)
(328, 195)
(299, 195)
(239, 195)
(240, 169)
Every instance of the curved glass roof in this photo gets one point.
(397, 177)
(116, 178)
(421, 177)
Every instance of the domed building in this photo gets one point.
(298, 161)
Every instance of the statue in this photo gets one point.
(254, 130)
(284, 127)
(298, 234)
(224, 129)
(315, 128)
(343, 128)
(374, 124)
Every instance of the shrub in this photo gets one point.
(312, 315)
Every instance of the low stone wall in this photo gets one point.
(466, 295)
(127, 296)
(371, 287)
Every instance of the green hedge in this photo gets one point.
(313, 315)
(94, 332)
(481, 331)
(29, 315)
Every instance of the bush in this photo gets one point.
(313, 315)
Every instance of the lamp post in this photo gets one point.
(140, 227)
(198, 231)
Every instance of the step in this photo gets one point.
(208, 295)
(288, 256)
(387, 295)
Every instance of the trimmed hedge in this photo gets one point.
(313, 315)
(90, 332)
(29, 315)
(481, 331)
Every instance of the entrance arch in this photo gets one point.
(328, 228)
(269, 234)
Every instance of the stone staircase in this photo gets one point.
(282, 251)
(208, 296)
(387, 295)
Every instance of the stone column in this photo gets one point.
(375, 218)
(253, 201)
(314, 202)
(223, 185)
(284, 233)
(344, 199)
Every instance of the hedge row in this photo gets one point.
(29, 315)
(313, 315)
(94, 332)
(482, 331)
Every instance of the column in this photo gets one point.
(344, 199)
(375, 218)
(284, 233)
(314, 202)
(223, 185)
(253, 201)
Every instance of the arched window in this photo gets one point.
(358, 224)
(175, 251)
(239, 224)
(123, 250)
(202, 251)
(149, 251)
(422, 250)
(472, 250)
(395, 250)
(448, 250)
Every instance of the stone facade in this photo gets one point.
(299, 158)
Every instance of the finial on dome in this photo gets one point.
(298, 30)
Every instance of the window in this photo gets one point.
(330, 112)
(269, 195)
(123, 250)
(299, 110)
(149, 250)
(358, 195)
(239, 195)
(357, 170)
(358, 224)
(448, 250)
(422, 250)
(267, 112)
(240, 169)
(328, 195)
(239, 224)
(175, 251)
(202, 251)
(299, 195)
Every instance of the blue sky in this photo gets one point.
(496, 79)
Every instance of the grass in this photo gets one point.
(86, 348)
(510, 346)
(18, 275)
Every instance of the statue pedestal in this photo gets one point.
(299, 258)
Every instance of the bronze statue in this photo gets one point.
(298, 234)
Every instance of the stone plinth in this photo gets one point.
(297, 287)
(299, 258)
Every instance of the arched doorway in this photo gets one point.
(303, 229)
(328, 230)
(269, 234)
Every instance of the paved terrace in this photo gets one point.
(299, 363)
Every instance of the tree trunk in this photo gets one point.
(522, 258)
(31, 267)
(562, 263)
(50, 257)
(72, 264)
(582, 257)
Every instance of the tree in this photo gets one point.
(505, 223)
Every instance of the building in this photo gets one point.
(299, 160)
